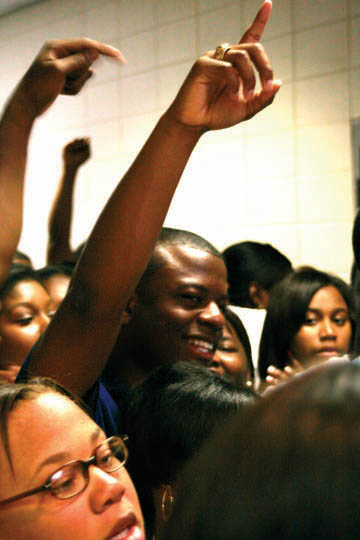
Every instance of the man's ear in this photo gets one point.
(128, 311)
(258, 295)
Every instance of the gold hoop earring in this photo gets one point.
(167, 502)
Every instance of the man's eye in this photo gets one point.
(192, 298)
(310, 321)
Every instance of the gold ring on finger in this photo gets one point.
(221, 50)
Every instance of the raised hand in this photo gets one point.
(276, 375)
(76, 152)
(61, 67)
(219, 93)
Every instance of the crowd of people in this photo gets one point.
(133, 403)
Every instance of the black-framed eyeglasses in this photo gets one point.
(73, 477)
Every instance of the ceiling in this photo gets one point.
(7, 6)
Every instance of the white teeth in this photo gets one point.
(204, 346)
(120, 535)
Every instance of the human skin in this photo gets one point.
(74, 154)
(230, 357)
(62, 66)
(326, 331)
(216, 94)
(57, 286)
(61, 432)
(25, 313)
(180, 316)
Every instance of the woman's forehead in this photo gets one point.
(50, 423)
(45, 421)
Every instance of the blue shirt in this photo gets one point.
(105, 412)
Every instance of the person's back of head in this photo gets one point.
(253, 269)
(21, 258)
(170, 416)
(287, 468)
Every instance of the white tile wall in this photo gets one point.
(176, 42)
(100, 109)
(322, 99)
(279, 116)
(270, 156)
(354, 7)
(325, 198)
(317, 12)
(323, 149)
(283, 177)
(265, 201)
(279, 51)
(139, 51)
(354, 93)
(170, 79)
(173, 10)
(321, 50)
(138, 94)
(219, 26)
(103, 22)
(280, 21)
(355, 42)
(320, 246)
(135, 16)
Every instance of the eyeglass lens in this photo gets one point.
(73, 478)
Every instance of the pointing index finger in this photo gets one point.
(254, 32)
(70, 46)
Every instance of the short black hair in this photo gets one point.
(16, 274)
(286, 312)
(63, 268)
(21, 258)
(173, 237)
(168, 419)
(252, 261)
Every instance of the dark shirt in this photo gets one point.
(108, 414)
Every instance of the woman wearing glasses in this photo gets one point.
(61, 479)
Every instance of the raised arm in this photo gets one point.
(62, 66)
(79, 339)
(74, 155)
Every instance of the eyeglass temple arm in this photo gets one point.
(25, 494)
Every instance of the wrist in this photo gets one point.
(70, 170)
(176, 128)
(19, 111)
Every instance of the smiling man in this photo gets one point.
(176, 313)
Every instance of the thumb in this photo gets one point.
(77, 62)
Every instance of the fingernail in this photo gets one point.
(269, 379)
(250, 94)
(268, 85)
(271, 369)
